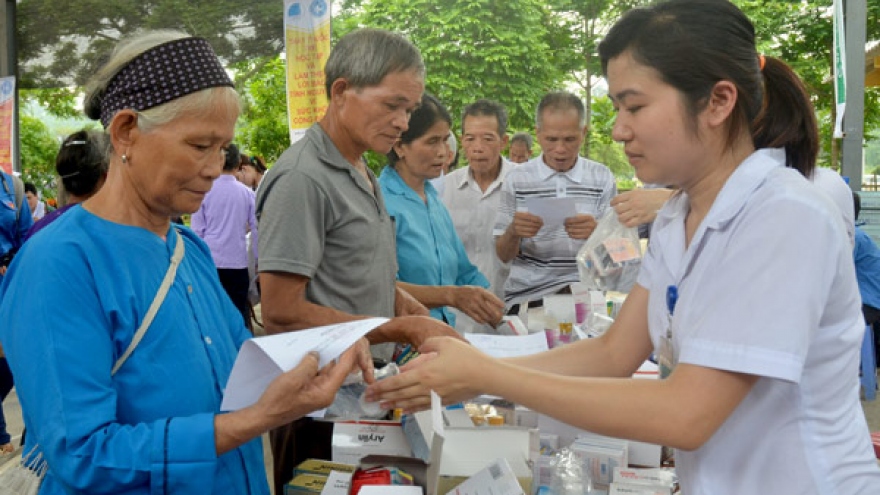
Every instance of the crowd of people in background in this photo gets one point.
(136, 358)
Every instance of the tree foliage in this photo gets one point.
(478, 49)
(800, 33)
(38, 150)
(511, 51)
(263, 128)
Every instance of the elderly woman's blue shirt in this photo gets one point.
(429, 251)
(71, 303)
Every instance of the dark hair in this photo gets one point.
(257, 163)
(82, 161)
(522, 137)
(488, 108)
(29, 187)
(233, 158)
(857, 204)
(430, 111)
(365, 56)
(707, 41)
(787, 118)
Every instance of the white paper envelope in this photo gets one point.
(260, 360)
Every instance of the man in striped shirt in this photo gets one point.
(543, 253)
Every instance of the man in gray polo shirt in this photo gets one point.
(327, 251)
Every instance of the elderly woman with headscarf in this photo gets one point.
(104, 418)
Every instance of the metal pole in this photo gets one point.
(856, 14)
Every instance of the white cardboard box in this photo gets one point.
(640, 453)
(457, 453)
(353, 440)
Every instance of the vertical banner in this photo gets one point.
(307, 43)
(7, 122)
(839, 67)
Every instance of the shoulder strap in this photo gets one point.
(176, 258)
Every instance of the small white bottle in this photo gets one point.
(373, 409)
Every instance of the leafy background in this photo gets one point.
(512, 51)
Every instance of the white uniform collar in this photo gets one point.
(668, 229)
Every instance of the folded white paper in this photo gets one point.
(502, 346)
(260, 360)
(553, 211)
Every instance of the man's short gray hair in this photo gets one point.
(487, 108)
(522, 137)
(365, 56)
(561, 101)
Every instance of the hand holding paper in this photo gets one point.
(526, 225)
(261, 360)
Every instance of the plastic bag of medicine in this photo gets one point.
(349, 402)
(611, 257)
(568, 476)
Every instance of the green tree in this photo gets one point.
(477, 49)
(800, 33)
(583, 24)
(38, 150)
(604, 149)
(263, 127)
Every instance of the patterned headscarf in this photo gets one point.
(161, 74)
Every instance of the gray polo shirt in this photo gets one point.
(318, 218)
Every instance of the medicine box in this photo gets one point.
(305, 484)
(321, 467)
(353, 440)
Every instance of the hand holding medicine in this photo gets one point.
(449, 367)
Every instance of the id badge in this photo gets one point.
(665, 356)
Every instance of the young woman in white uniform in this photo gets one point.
(747, 296)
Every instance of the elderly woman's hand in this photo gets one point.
(305, 388)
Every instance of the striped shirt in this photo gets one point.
(546, 262)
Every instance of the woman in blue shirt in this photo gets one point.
(15, 220)
(431, 258)
(153, 427)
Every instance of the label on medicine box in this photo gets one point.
(354, 440)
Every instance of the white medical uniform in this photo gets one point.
(767, 287)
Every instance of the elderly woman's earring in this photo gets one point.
(124, 159)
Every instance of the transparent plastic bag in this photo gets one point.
(611, 257)
(569, 477)
(350, 403)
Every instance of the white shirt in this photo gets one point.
(832, 184)
(473, 214)
(767, 287)
(546, 262)
(40, 211)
